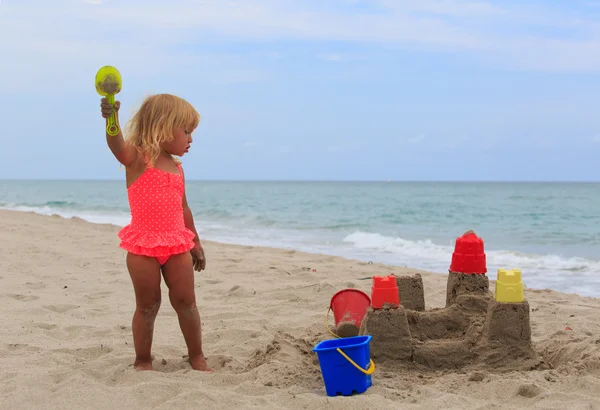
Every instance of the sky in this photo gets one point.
(311, 89)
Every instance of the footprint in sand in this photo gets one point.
(213, 281)
(99, 295)
(22, 298)
(11, 348)
(529, 390)
(240, 291)
(61, 308)
(35, 285)
(45, 326)
(71, 332)
(16, 346)
(221, 363)
(170, 366)
(88, 353)
(59, 377)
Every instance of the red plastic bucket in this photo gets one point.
(384, 291)
(349, 308)
(469, 257)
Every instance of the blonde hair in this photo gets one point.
(156, 121)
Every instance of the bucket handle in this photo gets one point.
(327, 323)
(368, 372)
(371, 368)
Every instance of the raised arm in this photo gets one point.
(124, 153)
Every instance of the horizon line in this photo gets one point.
(313, 180)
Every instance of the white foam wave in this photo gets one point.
(99, 217)
(578, 275)
(377, 242)
(428, 252)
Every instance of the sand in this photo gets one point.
(110, 85)
(65, 334)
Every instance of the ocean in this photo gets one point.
(548, 230)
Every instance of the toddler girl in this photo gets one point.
(161, 236)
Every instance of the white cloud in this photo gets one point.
(66, 41)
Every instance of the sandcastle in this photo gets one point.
(475, 330)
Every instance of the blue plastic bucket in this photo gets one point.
(340, 374)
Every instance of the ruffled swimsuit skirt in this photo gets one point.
(157, 226)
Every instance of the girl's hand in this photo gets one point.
(198, 258)
(107, 109)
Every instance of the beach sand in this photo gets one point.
(65, 334)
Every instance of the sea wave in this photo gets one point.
(568, 274)
(426, 250)
(90, 215)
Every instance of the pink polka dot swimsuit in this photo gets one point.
(157, 227)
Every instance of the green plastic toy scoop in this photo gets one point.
(108, 83)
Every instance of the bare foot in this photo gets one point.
(199, 363)
(139, 365)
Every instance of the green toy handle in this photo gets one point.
(112, 128)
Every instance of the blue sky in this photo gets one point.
(312, 89)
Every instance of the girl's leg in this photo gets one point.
(145, 275)
(179, 277)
